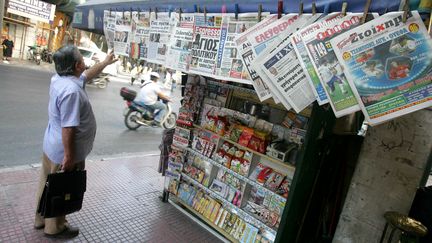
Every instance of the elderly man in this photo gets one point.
(71, 128)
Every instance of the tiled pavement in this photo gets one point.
(121, 205)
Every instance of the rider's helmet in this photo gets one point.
(154, 76)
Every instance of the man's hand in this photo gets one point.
(67, 164)
(110, 58)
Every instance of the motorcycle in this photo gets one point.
(137, 115)
(101, 81)
(46, 56)
(33, 54)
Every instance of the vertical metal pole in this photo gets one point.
(2, 6)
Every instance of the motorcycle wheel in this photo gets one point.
(170, 122)
(38, 62)
(130, 119)
(102, 84)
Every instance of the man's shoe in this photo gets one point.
(68, 233)
(38, 227)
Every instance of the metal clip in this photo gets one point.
(259, 12)
(180, 13)
(205, 14)
(365, 11)
(314, 10)
(301, 8)
(156, 11)
(344, 8)
(405, 11)
(236, 9)
(280, 8)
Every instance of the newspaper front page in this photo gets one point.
(305, 61)
(179, 51)
(388, 65)
(244, 48)
(272, 45)
(109, 28)
(205, 47)
(160, 30)
(122, 33)
(330, 72)
(230, 66)
(140, 35)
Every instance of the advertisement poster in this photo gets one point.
(180, 47)
(388, 64)
(330, 72)
(244, 48)
(205, 47)
(306, 62)
(230, 65)
(36, 10)
(109, 28)
(286, 76)
(140, 35)
(159, 39)
(122, 33)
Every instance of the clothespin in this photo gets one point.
(344, 8)
(169, 12)
(150, 12)
(180, 13)
(139, 12)
(259, 12)
(405, 11)
(123, 12)
(197, 8)
(236, 9)
(205, 14)
(314, 11)
(365, 11)
(110, 11)
(301, 8)
(223, 9)
(156, 11)
(280, 8)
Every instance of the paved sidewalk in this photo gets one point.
(121, 205)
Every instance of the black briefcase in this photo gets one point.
(63, 193)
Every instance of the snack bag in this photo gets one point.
(246, 136)
(256, 172)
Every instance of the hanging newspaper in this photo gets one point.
(305, 61)
(296, 94)
(179, 50)
(230, 66)
(159, 38)
(140, 34)
(109, 28)
(207, 32)
(388, 65)
(122, 33)
(332, 77)
(244, 48)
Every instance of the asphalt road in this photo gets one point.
(23, 119)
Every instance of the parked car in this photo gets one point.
(91, 56)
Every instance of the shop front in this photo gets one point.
(272, 138)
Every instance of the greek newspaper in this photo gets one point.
(330, 72)
(140, 34)
(207, 32)
(301, 87)
(388, 65)
(244, 48)
(122, 33)
(230, 65)
(179, 52)
(109, 28)
(159, 38)
(305, 61)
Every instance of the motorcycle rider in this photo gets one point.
(148, 97)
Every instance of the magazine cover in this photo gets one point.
(329, 70)
(160, 30)
(244, 48)
(205, 44)
(306, 62)
(230, 65)
(122, 33)
(179, 51)
(140, 35)
(388, 65)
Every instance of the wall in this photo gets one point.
(389, 169)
